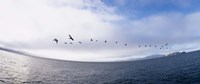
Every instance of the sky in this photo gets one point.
(31, 25)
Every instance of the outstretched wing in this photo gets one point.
(56, 40)
(70, 37)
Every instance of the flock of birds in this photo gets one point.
(160, 47)
(72, 39)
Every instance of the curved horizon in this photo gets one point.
(30, 26)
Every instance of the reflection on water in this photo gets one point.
(17, 69)
(14, 68)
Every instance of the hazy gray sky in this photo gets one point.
(31, 26)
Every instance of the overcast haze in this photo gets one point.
(31, 26)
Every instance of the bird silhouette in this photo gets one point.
(125, 44)
(80, 42)
(105, 41)
(65, 42)
(149, 45)
(70, 37)
(56, 40)
(139, 46)
(71, 43)
(91, 40)
(116, 42)
(145, 46)
(166, 44)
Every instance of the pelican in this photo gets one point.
(56, 40)
(105, 41)
(80, 42)
(125, 44)
(70, 37)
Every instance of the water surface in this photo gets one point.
(179, 69)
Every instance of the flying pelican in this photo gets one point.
(125, 44)
(70, 37)
(56, 40)
(166, 44)
(80, 42)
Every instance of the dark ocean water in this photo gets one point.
(179, 69)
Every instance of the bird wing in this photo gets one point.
(54, 39)
(70, 36)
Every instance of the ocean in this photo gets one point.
(178, 69)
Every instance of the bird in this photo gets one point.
(71, 43)
(80, 42)
(91, 39)
(139, 46)
(65, 42)
(125, 44)
(145, 46)
(149, 45)
(96, 40)
(116, 42)
(166, 44)
(70, 37)
(56, 40)
(105, 41)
